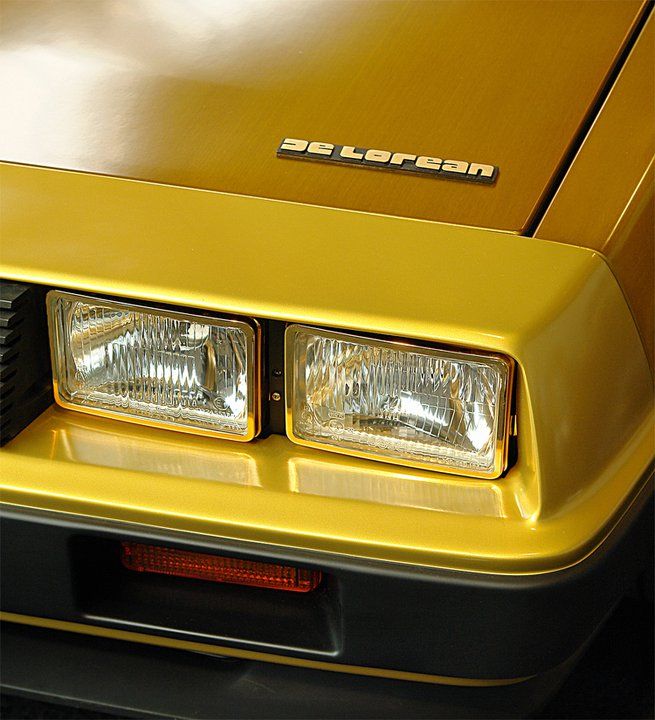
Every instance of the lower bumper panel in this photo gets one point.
(377, 618)
(134, 680)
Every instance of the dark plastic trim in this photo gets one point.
(372, 614)
(133, 680)
(25, 376)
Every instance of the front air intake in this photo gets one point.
(25, 377)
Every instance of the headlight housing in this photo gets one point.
(413, 405)
(159, 367)
(405, 403)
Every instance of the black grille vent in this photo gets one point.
(25, 379)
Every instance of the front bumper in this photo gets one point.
(135, 680)
(380, 618)
(429, 576)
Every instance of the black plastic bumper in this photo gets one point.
(379, 615)
(134, 680)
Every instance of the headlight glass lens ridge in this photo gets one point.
(387, 400)
(185, 371)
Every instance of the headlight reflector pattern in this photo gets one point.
(187, 372)
(401, 403)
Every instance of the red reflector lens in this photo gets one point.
(182, 563)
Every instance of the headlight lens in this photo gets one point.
(186, 372)
(402, 403)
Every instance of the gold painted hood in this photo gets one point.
(200, 94)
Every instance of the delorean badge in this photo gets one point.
(387, 160)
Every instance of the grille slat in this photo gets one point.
(25, 378)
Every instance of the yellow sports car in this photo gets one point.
(326, 343)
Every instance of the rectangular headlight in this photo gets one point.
(156, 367)
(402, 403)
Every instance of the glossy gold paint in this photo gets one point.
(607, 199)
(247, 654)
(201, 95)
(147, 91)
(562, 317)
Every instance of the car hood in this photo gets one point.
(200, 94)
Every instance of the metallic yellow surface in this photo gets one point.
(158, 641)
(202, 94)
(278, 493)
(583, 396)
(250, 329)
(607, 199)
(631, 254)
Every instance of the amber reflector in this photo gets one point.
(182, 563)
